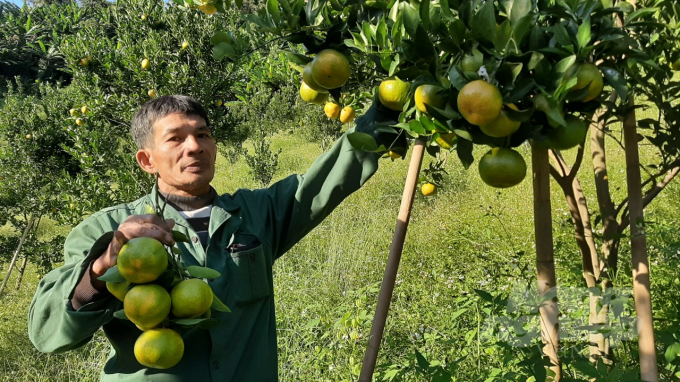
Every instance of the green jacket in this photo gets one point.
(269, 221)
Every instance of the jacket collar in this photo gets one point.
(223, 210)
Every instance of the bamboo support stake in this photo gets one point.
(16, 254)
(396, 249)
(545, 257)
(638, 249)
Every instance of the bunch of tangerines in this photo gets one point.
(479, 102)
(329, 70)
(157, 294)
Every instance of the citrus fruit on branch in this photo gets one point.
(309, 79)
(570, 136)
(191, 298)
(586, 75)
(445, 141)
(347, 114)
(479, 102)
(332, 110)
(501, 167)
(501, 126)
(119, 290)
(159, 348)
(330, 69)
(429, 95)
(147, 305)
(142, 259)
(312, 96)
(394, 93)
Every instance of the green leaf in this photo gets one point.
(484, 23)
(189, 321)
(561, 35)
(537, 39)
(522, 27)
(299, 59)
(362, 141)
(411, 19)
(223, 49)
(464, 151)
(219, 37)
(112, 275)
(422, 362)
(273, 11)
(518, 9)
(457, 313)
(503, 34)
(180, 237)
(639, 13)
(367, 33)
(554, 114)
(427, 124)
(456, 78)
(425, 15)
(381, 34)
(565, 64)
(486, 296)
(457, 32)
(397, 32)
(519, 115)
(219, 305)
(416, 127)
(584, 33)
(203, 272)
(176, 251)
(446, 10)
(672, 352)
(617, 81)
(120, 314)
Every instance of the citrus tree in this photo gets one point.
(469, 72)
(64, 149)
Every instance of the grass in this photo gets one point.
(468, 237)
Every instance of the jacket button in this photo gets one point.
(194, 239)
(216, 365)
(252, 256)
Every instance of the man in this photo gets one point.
(239, 235)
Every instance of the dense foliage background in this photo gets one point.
(469, 250)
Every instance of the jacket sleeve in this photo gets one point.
(53, 325)
(298, 203)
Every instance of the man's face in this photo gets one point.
(183, 154)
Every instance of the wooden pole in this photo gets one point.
(638, 249)
(16, 253)
(396, 249)
(545, 257)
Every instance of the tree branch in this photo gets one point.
(650, 195)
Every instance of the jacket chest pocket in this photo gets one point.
(249, 276)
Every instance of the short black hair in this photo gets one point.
(142, 123)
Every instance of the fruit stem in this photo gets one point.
(159, 211)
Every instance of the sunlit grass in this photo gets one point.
(462, 239)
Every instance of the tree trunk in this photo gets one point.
(16, 253)
(21, 271)
(610, 226)
(545, 258)
(23, 264)
(638, 248)
(583, 234)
